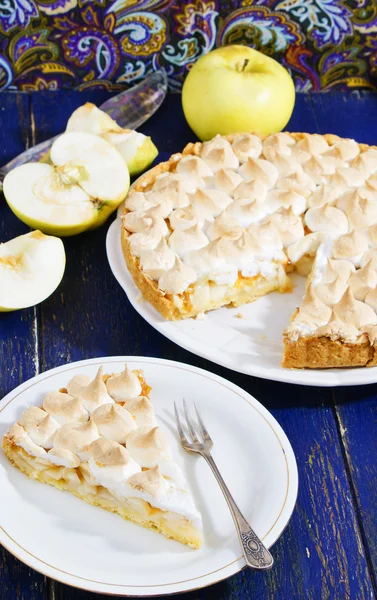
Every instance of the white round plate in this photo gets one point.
(247, 339)
(87, 547)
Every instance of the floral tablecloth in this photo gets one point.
(81, 44)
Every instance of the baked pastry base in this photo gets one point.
(171, 525)
(325, 353)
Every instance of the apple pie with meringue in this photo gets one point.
(225, 221)
(100, 440)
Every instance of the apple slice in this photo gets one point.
(137, 149)
(85, 182)
(31, 268)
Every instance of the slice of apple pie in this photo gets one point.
(100, 440)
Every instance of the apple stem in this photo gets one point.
(246, 62)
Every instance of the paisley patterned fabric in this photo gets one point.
(81, 44)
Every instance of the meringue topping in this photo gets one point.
(336, 328)
(288, 225)
(95, 393)
(76, 436)
(145, 240)
(210, 203)
(312, 312)
(324, 194)
(345, 149)
(148, 446)
(353, 311)
(123, 386)
(363, 280)
(251, 190)
(138, 221)
(347, 177)
(142, 411)
(312, 144)
(360, 210)
(371, 299)
(366, 162)
(185, 240)
(184, 218)
(351, 246)
(247, 146)
(277, 145)
(224, 226)
(63, 458)
(108, 452)
(39, 426)
(17, 435)
(177, 279)
(65, 408)
(328, 219)
(155, 262)
(77, 382)
(337, 268)
(113, 422)
(218, 154)
(170, 181)
(331, 293)
(370, 256)
(307, 245)
(298, 182)
(110, 464)
(194, 166)
(150, 481)
(261, 170)
(227, 180)
(285, 199)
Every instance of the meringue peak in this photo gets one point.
(141, 410)
(108, 452)
(353, 311)
(150, 481)
(64, 407)
(75, 436)
(177, 279)
(312, 310)
(95, 393)
(123, 386)
(114, 422)
(148, 446)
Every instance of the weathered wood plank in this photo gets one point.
(356, 407)
(320, 554)
(18, 334)
(348, 115)
(356, 410)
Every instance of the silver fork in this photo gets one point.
(256, 554)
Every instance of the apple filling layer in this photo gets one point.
(212, 225)
(100, 440)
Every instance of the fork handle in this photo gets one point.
(256, 554)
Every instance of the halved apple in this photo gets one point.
(31, 268)
(137, 149)
(85, 182)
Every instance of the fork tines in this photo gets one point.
(191, 427)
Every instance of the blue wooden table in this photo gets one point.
(329, 549)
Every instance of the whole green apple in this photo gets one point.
(237, 89)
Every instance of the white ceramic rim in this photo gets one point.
(196, 583)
